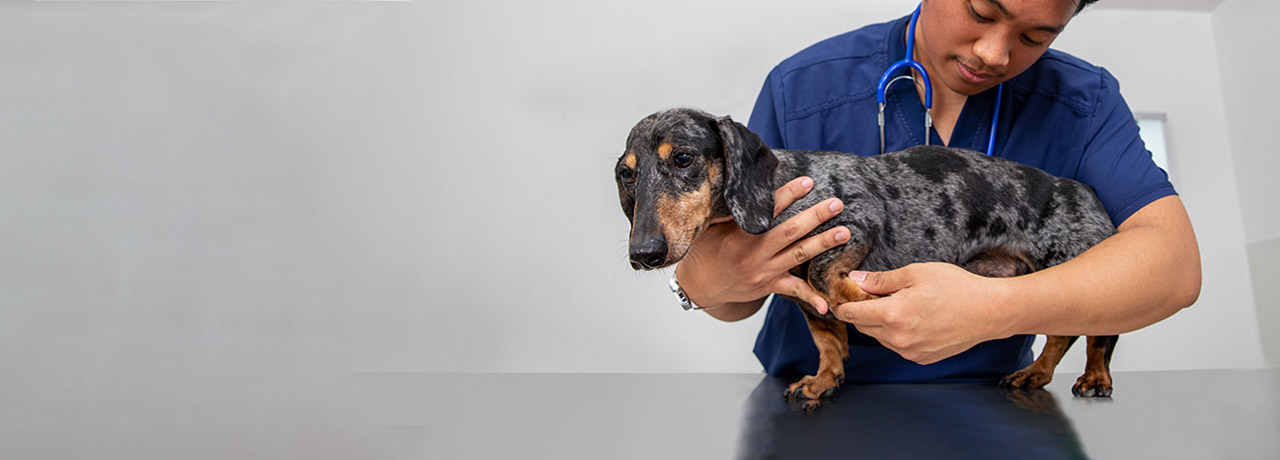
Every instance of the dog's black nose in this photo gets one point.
(649, 254)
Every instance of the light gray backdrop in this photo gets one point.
(426, 186)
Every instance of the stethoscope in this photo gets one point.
(909, 61)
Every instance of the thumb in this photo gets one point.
(880, 283)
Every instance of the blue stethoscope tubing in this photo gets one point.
(887, 80)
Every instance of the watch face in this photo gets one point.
(680, 295)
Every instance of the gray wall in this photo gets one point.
(1151, 64)
(426, 186)
(1245, 32)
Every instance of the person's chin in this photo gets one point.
(959, 86)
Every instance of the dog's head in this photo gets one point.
(684, 169)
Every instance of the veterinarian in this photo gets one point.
(939, 322)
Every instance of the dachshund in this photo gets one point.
(683, 169)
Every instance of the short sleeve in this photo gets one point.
(1116, 163)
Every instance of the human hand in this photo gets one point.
(932, 311)
(727, 264)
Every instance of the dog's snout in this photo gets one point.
(649, 254)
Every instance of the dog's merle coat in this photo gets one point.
(683, 168)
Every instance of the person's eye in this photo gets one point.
(1029, 41)
(683, 160)
(978, 17)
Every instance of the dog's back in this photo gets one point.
(935, 204)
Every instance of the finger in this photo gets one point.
(882, 283)
(800, 289)
(807, 248)
(801, 224)
(864, 314)
(789, 193)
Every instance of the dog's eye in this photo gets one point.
(683, 160)
(627, 175)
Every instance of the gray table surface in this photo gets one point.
(195, 414)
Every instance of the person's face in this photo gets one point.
(973, 45)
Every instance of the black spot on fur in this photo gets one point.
(998, 227)
(838, 187)
(946, 209)
(1071, 197)
(975, 224)
(933, 163)
(892, 163)
(803, 163)
(863, 227)
(888, 234)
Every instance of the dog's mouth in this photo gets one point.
(642, 266)
(681, 247)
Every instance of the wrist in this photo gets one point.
(694, 290)
(1018, 312)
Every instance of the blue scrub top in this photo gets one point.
(1063, 115)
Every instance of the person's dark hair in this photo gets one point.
(1082, 4)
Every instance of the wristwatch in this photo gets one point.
(685, 303)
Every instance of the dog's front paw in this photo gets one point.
(1027, 378)
(1092, 385)
(812, 387)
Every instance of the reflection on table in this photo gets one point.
(909, 421)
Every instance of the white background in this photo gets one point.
(426, 186)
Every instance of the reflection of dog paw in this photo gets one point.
(1027, 378)
(1092, 385)
(807, 405)
(1037, 400)
(813, 387)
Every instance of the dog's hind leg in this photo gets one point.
(1096, 381)
(1004, 262)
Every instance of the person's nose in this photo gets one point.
(993, 49)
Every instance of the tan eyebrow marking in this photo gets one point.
(664, 150)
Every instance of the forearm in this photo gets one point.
(1146, 272)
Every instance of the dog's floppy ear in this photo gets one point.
(748, 184)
